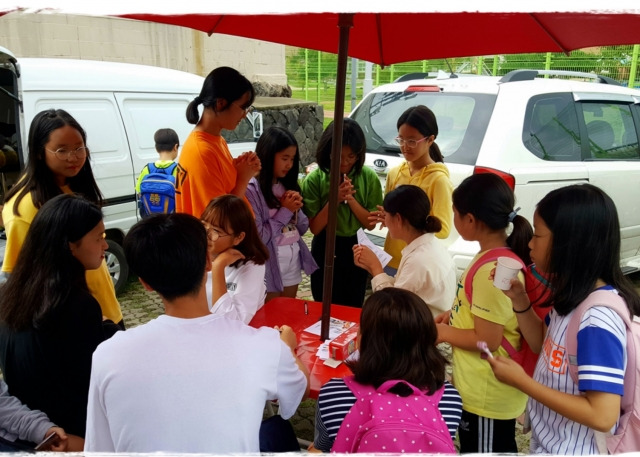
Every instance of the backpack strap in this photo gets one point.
(490, 256)
(361, 390)
(171, 168)
(604, 297)
(152, 167)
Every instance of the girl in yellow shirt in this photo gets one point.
(424, 167)
(58, 163)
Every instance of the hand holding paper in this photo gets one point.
(380, 255)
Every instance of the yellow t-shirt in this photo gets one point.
(16, 227)
(481, 392)
(434, 180)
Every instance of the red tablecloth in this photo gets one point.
(291, 312)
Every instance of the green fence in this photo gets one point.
(312, 74)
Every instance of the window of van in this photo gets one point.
(611, 131)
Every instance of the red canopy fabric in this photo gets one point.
(387, 38)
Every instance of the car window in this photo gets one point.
(611, 131)
(462, 121)
(551, 129)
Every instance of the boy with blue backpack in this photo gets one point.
(156, 186)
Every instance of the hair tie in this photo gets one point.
(512, 215)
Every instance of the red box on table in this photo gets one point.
(341, 347)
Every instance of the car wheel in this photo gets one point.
(117, 265)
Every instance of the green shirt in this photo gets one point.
(315, 192)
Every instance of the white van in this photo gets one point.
(119, 105)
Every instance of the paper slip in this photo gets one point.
(382, 256)
(336, 327)
(323, 350)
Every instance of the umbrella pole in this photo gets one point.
(345, 22)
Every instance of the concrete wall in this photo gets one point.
(122, 40)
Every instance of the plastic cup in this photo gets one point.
(506, 269)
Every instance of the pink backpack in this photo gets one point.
(627, 435)
(383, 422)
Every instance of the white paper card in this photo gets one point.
(381, 254)
(323, 350)
(336, 327)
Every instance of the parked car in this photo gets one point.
(537, 133)
(120, 106)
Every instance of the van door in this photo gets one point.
(143, 114)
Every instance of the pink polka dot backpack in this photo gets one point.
(381, 421)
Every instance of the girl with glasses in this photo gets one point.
(235, 284)
(425, 168)
(58, 163)
(205, 166)
(50, 322)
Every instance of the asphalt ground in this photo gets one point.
(140, 306)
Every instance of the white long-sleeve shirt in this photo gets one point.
(426, 268)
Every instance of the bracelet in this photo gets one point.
(524, 310)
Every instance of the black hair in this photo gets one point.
(398, 341)
(412, 203)
(46, 271)
(271, 142)
(169, 253)
(490, 199)
(352, 136)
(585, 246)
(166, 139)
(233, 213)
(424, 121)
(223, 83)
(38, 179)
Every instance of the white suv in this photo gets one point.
(537, 133)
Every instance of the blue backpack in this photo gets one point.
(158, 191)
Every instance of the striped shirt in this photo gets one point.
(336, 399)
(601, 364)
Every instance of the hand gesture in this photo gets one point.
(517, 293)
(364, 257)
(288, 336)
(507, 371)
(346, 190)
(377, 216)
(443, 318)
(59, 443)
(291, 200)
(247, 165)
(227, 257)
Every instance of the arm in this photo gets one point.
(318, 222)
(292, 377)
(143, 173)
(370, 192)
(531, 326)
(289, 337)
(440, 195)
(597, 410)
(98, 436)
(247, 166)
(219, 281)
(248, 295)
(268, 227)
(467, 339)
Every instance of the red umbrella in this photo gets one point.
(386, 38)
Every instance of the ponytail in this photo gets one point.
(433, 224)
(519, 238)
(435, 153)
(193, 116)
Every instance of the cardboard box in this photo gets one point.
(343, 346)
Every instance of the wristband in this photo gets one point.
(524, 310)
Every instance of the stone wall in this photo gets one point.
(303, 119)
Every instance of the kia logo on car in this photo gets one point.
(380, 164)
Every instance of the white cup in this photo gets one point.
(506, 269)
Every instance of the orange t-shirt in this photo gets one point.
(205, 171)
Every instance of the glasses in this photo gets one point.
(246, 110)
(409, 143)
(64, 153)
(213, 234)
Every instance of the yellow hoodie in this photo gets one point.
(434, 180)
